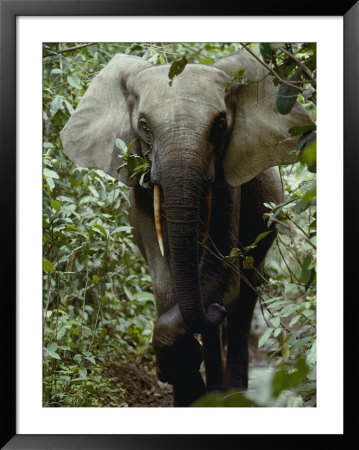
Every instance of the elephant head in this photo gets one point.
(193, 131)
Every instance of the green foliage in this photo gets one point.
(287, 95)
(282, 388)
(138, 167)
(237, 79)
(98, 308)
(288, 293)
(293, 67)
(176, 68)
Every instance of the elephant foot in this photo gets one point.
(188, 391)
(236, 377)
(179, 356)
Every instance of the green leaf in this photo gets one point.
(237, 77)
(227, 400)
(284, 379)
(248, 262)
(301, 129)
(47, 266)
(56, 205)
(48, 145)
(258, 239)
(89, 357)
(176, 68)
(121, 146)
(265, 336)
(144, 297)
(306, 273)
(69, 107)
(52, 347)
(50, 173)
(83, 372)
(261, 236)
(61, 333)
(288, 310)
(56, 104)
(54, 355)
(308, 154)
(277, 332)
(74, 81)
(294, 321)
(275, 321)
(237, 399)
(135, 161)
(287, 95)
(312, 354)
(99, 229)
(56, 71)
(128, 293)
(266, 52)
(93, 191)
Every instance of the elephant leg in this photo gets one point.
(213, 358)
(264, 188)
(238, 328)
(179, 356)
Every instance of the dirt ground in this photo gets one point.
(143, 389)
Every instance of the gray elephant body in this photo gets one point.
(236, 221)
(212, 150)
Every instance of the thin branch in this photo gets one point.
(71, 49)
(291, 250)
(292, 275)
(300, 64)
(270, 69)
(84, 303)
(304, 233)
(197, 52)
(235, 268)
(293, 84)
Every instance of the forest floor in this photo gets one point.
(141, 387)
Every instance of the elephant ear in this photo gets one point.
(103, 115)
(260, 136)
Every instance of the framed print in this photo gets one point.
(201, 75)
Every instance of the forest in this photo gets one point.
(99, 310)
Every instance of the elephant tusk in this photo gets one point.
(208, 215)
(157, 212)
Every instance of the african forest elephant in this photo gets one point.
(213, 147)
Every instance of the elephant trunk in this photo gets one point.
(182, 195)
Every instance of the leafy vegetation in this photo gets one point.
(98, 308)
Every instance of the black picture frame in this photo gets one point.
(9, 10)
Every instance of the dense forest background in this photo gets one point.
(98, 308)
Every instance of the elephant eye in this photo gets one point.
(221, 124)
(218, 129)
(143, 125)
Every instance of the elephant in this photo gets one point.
(213, 147)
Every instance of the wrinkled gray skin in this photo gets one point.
(197, 135)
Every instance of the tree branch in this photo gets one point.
(303, 66)
(71, 49)
(270, 69)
